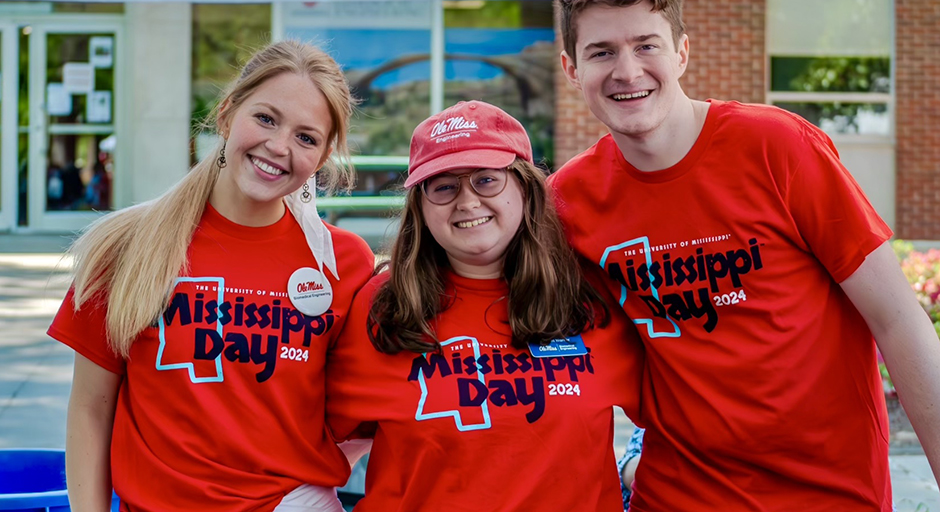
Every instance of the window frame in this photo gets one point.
(888, 99)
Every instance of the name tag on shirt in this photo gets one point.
(560, 347)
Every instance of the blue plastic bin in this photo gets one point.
(33, 480)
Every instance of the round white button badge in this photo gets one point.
(310, 291)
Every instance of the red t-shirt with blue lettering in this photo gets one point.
(483, 426)
(221, 407)
(762, 390)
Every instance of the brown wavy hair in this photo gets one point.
(567, 12)
(548, 296)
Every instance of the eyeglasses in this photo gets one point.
(444, 188)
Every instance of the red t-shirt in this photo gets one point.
(762, 390)
(222, 407)
(483, 427)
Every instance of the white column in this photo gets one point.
(158, 71)
(8, 120)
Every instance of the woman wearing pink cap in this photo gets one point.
(478, 361)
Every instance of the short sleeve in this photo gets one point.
(357, 263)
(85, 332)
(832, 214)
(624, 355)
(349, 385)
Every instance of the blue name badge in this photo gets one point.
(560, 347)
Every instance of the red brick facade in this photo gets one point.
(727, 61)
(575, 128)
(918, 119)
(726, 49)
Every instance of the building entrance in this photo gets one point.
(60, 107)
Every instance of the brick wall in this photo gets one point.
(726, 61)
(726, 49)
(575, 127)
(918, 119)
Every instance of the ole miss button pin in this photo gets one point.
(310, 291)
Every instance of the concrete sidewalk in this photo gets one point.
(36, 372)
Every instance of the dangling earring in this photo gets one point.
(305, 195)
(221, 160)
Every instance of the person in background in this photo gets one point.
(628, 463)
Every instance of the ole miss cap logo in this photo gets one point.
(468, 135)
(452, 128)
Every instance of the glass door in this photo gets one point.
(74, 93)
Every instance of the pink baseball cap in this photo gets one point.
(468, 135)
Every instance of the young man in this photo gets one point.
(757, 273)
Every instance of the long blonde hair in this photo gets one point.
(130, 259)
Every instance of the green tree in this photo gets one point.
(834, 74)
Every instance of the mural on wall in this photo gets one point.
(511, 68)
(385, 50)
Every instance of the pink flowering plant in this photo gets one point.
(922, 270)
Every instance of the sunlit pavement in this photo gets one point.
(35, 372)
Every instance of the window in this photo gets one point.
(406, 58)
(504, 53)
(385, 50)
(830, 62)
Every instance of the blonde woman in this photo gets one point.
(200, 319)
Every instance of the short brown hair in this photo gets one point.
(568, 11)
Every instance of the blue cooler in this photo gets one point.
(33, 480)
